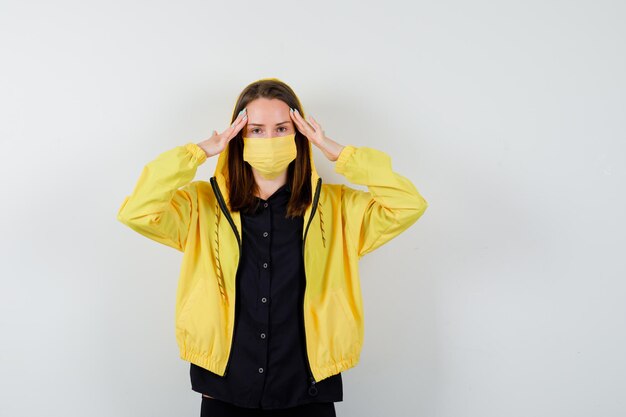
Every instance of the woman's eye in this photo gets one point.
(255, 130)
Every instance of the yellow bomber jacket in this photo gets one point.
(340, 226)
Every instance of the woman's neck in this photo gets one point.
(268, 187)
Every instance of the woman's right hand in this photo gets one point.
(218, 142)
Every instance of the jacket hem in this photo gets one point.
(324, 372)
(217, 367)
(320, 373)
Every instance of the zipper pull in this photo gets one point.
(312, 388)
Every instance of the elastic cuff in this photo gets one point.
(344, 155)
(198, 153)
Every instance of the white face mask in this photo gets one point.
(270, 156)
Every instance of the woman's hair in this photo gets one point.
(242, 186)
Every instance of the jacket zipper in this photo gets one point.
(312, 387)
(222, 203)
(220, 199)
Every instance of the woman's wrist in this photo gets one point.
(332, 149)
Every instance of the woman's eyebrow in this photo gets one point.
(277, 124)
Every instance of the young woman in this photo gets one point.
(268, 307)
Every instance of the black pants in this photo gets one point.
(216, 408)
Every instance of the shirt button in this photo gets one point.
(265, 265)
(264, 204)
(260, 370)
(262, 335)
(264, 300)
(264, 234)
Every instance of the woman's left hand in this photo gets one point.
(313, 131)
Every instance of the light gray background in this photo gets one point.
(505, 299)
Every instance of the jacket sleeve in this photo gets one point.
(390, 206)
(158, 207)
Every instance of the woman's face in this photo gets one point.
(268, 118)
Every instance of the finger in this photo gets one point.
(240, 120)
(313, 123)
(241, 116)
(309, 126)
(240, 123)
(305, 126)
(318, 127)
(297, 122)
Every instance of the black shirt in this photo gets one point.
(267, 366)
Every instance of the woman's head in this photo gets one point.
(267, 102)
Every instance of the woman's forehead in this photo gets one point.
(267, 111)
